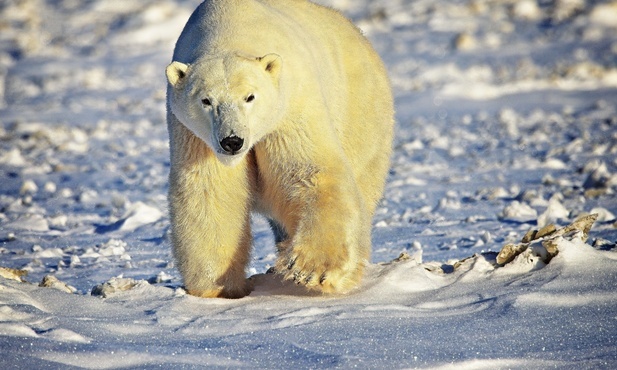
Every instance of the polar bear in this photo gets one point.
(283, 108)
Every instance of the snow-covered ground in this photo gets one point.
(507, 121)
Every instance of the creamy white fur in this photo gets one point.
(317, 134)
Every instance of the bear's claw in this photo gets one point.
(303, 278)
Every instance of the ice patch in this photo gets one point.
(113, 248)
(40, 252)
(65, 335)
(518, 212)
(137, 215)
(527, 10)
(504, 363)
(14, 158)
(604, 215)
(33, 223)
(554, 212)
(9, 314)
(122, 359)
(140, 214)
(17, 330)
(604, 14)
(565, 300)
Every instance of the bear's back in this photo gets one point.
(291, 28)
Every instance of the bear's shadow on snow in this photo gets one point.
(271, 284)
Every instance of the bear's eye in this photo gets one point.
(206, 102)
(250, 98)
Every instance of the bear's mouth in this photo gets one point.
(229, 154)
(230, 159)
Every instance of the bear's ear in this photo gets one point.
(175, 72)
(272, 63)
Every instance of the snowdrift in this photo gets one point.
(506, 122)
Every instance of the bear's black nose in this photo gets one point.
(232, 144)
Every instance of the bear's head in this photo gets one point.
(229, 102)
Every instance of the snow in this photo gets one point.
(506, 122)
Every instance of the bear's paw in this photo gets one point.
(223, 292)
(329, 270)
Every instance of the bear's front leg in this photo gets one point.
(330, 242)
(210, 224)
